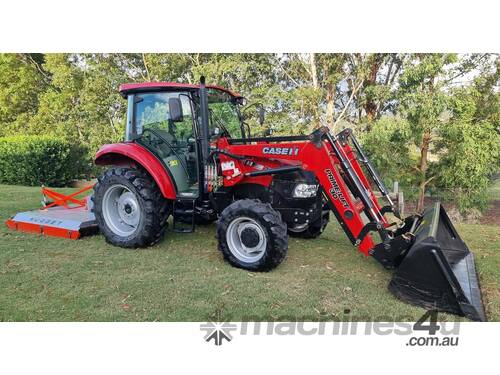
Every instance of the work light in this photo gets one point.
(305, 191)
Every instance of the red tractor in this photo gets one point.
(188, 153)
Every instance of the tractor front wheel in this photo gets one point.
(252, 235)
(129, 208)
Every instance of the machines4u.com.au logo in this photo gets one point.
(218, 332)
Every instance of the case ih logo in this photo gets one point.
(335, 190)
(292, 151)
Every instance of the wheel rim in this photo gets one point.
(121, 210)
(246, 239)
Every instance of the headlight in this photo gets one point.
(305, 191)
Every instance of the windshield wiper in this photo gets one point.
(219, 123)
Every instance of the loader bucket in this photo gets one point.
(438, 271)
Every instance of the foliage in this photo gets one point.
(20, 86)
(82, 104)
(389, 147)
(470, 148)
(37, 160)
(471, 158)
(424, 103)
(405, 107)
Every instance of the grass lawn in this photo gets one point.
(184, 278)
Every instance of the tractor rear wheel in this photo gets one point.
(252, 235)
(129, 208)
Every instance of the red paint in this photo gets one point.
(64, 200)
(43, 229)
(144, 86)
(129, 154)
(359, 171)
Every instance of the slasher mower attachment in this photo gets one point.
(64, 216)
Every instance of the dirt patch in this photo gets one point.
(492, 215)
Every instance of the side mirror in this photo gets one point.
(175, 110)
(262, 115)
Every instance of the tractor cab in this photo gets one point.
(166, 119)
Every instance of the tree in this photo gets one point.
(22, 81)
(313, 84)
(58, 109)
(469, 144)
(379, 72)
(423, 102)
(389, 136)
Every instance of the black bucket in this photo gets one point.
(438, 272)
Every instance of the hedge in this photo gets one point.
(37, 160)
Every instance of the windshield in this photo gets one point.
(224, 113)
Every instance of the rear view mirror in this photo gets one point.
(175, 110)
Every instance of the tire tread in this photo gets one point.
(156, 207)
(270, 218)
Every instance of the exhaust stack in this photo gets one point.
(205, 136)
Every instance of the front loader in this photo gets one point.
(188, 153)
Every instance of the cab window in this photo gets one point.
(152, 112)
(223, 113)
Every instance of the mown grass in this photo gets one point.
(184, 278)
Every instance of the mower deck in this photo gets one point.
(58, 221)
(66, 216)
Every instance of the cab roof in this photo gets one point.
(128, 88)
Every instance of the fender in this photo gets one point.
(132, 154)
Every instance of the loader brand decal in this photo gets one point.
(291, 151)
(335, 189)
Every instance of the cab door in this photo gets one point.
(163, 122)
